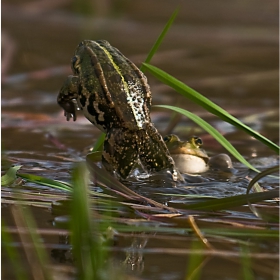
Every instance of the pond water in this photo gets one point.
(227, 51)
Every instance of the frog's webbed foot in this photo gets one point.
(69, 110)
(67, 97)
(120, 151)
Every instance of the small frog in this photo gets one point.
(188, 155)
(190, 158)
(115, 96)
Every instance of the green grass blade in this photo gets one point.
(233, 201)
(247, 271)
(87, 248)
(264, 173)
(111, 182)
(81, 226)
(207, 104)
(40, 253)
(211, 130)
(94, 156)
(161, 37)
(99, 142)
(13, 254)
(252, 184)
(10, 175)
(196, 262)
(243, 232)
(45, 181)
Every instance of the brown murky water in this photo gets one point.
(228, 51)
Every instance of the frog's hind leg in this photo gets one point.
(153, 152)
(120, 151)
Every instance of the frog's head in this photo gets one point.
(81, 61)
(189, 147)
(89, 54)
(188, 155)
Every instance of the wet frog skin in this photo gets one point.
(188, 155)
(190, 158)
(114, 95)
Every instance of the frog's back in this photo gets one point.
(115, 85)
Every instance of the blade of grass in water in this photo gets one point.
(234, 201)
(242, 232)
(88, 250)
(195, 262)
(13, 254)
(207, 104)
(211, 130)
(45, 181)
(99, 142)
(10, 176)
(264, 173)
(161, 37)
(111, 182)
(94, 156)
(246, 264)
(251, 185)
(39, 253)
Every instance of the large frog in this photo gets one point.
(115, 96)
(190, 158)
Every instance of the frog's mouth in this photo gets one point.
(190, 164)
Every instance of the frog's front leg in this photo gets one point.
(120, 151)
(67, 94)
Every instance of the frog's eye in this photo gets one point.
(197, 141)
(75, 63)
(170, 138)
(167, 138)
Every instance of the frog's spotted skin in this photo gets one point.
(113, 91)
(122, 148)
(115, 96)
